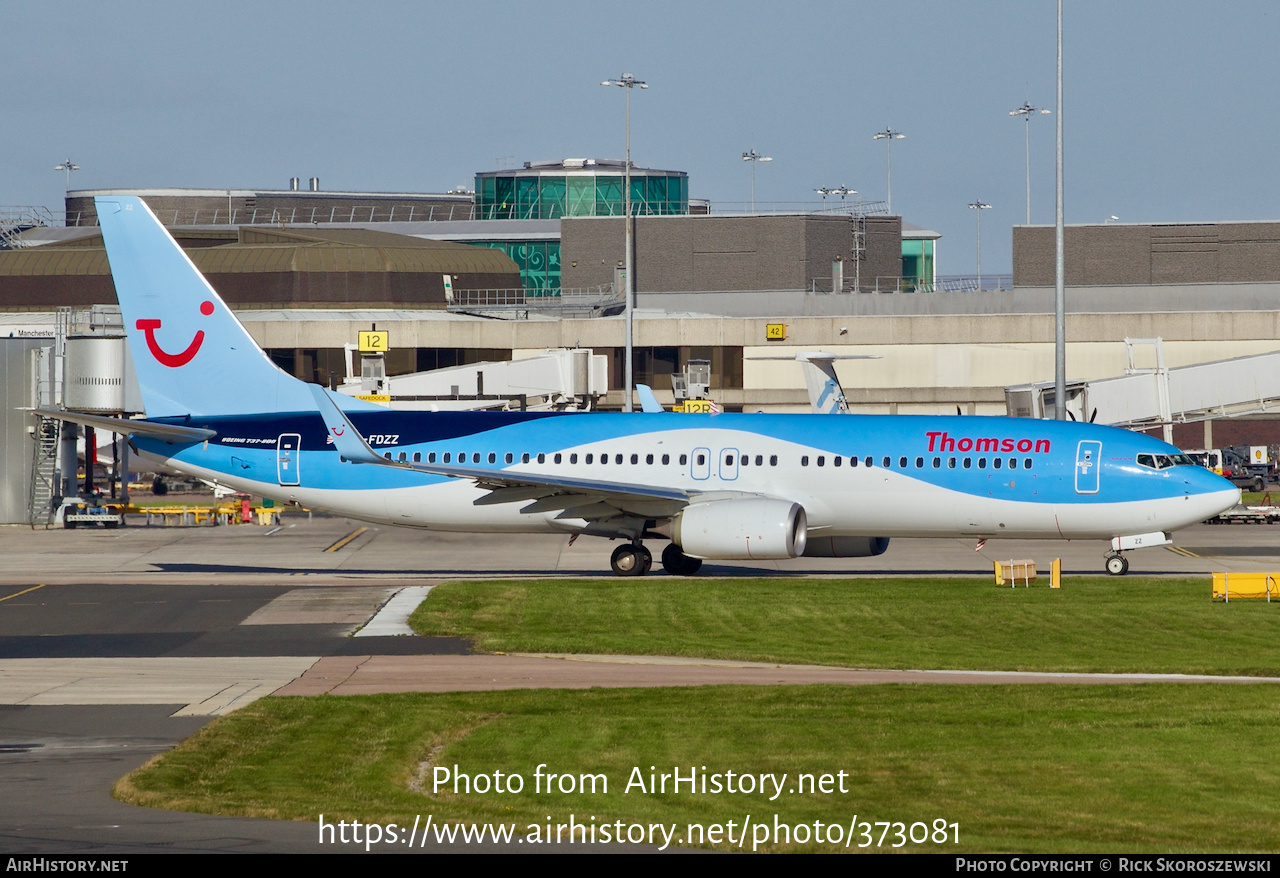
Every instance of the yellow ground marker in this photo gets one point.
(348, 538)
(21, 593)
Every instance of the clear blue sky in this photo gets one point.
(1170, 107)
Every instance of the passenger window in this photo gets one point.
(617, 458)
(822, 460)
(869, 461)
(728, 460)
(604, 459)
(773, 460)
(1013, 463)
(387, 455)
(886, 462)
(804, 460)
(702, 459)
(919, 463)
(417, 457)
(982, 463)
(666, 459)
(431, 458)
(403, 457)
(746, 459)
(951, 463)
(509, 457)
(836, 461)
(759, 460)
(573, 458)
(493, 458)
(968, 463)
(902, 463)
(524, 458)
(937, 463)
(635, 458)
(542, 458)
(590, 458)
(1026, 463)
(648, 458)
(447, 457)
(557, 458)
(684, 458)
(853, 461)
(475, 457)
(997, 463)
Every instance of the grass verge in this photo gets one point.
(1156, 767)
(1104, 624)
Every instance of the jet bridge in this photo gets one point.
(1143, 398)
(554, 380)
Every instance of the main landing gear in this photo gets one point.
(1117, 565)
(633, 559)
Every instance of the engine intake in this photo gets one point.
(753, 529)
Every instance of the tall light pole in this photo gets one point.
(628, 82)
(1026, 111)
(755, 158)
(68, 166)
(1059, 263)
(979, 207)
(888, 135)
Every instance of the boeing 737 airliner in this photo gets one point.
(723, 486)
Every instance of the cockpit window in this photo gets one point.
(1164, 461)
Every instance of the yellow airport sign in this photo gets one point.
(374, 397)
(775, 331)
(374, 341)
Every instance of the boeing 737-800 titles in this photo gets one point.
(728, 486)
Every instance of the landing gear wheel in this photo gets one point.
(677, 563)
(1117, 565)
(631, 560)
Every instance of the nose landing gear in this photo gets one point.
(1117, 565)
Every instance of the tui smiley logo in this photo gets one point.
(165, 358)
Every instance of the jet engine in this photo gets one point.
(751, 529)
(845, 547)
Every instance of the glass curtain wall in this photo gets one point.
(552, 196)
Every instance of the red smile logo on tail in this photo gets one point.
(173, 361)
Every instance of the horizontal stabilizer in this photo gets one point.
(129, 427)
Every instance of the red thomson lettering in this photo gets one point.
(941, 441)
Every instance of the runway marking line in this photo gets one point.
(1186, 553)
(21, 593)
(348, 538)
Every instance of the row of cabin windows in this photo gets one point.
(701, 459)
(903, 462)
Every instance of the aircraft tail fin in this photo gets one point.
(192, 356)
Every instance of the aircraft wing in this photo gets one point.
(128, 426)
(591, 499)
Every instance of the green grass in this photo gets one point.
(1157, 767)
(1103, 624)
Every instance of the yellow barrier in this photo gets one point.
(184, 516)
(1012, 572)
(1246, 586)
(1024, 571)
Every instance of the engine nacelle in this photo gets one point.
(754, 529)
(845, 547)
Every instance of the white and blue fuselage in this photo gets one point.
(715, 486)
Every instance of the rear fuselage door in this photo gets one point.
(1088, 464)
(287, 455)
